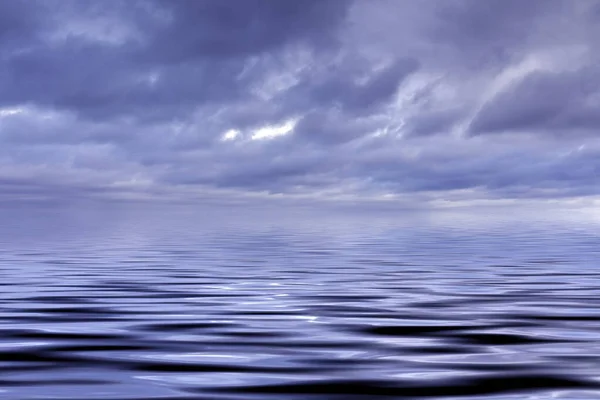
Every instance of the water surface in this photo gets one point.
(155, 304)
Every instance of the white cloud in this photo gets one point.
(273, 131)
(231, 134)
(8, 111)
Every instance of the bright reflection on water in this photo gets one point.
(131, 303)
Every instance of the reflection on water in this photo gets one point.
(155, 305)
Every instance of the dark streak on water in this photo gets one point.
(174, 308)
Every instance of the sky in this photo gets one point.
(434, 101)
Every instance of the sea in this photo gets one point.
(144, 301)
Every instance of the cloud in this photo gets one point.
(179, 55)
(321, 98)
(561, 103)
(196, 29)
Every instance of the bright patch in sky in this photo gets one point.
(272, 131)
(5, 112)
(231, 134)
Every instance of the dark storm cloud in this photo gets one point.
(561, 103)
(357, 97)
(19, 22)
(181, 54)
(339, 90)
(220, 29)
(331, 128)
(491, 32)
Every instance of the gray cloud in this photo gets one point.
(563, 103)
(339, 90)
(198, 29)
(169, 58)
(311, 97)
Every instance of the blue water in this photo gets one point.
(141, 302)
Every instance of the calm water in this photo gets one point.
(153, 304)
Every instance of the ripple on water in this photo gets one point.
(182, 312)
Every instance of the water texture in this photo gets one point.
(134, 305)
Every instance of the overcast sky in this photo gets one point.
(373, 99)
